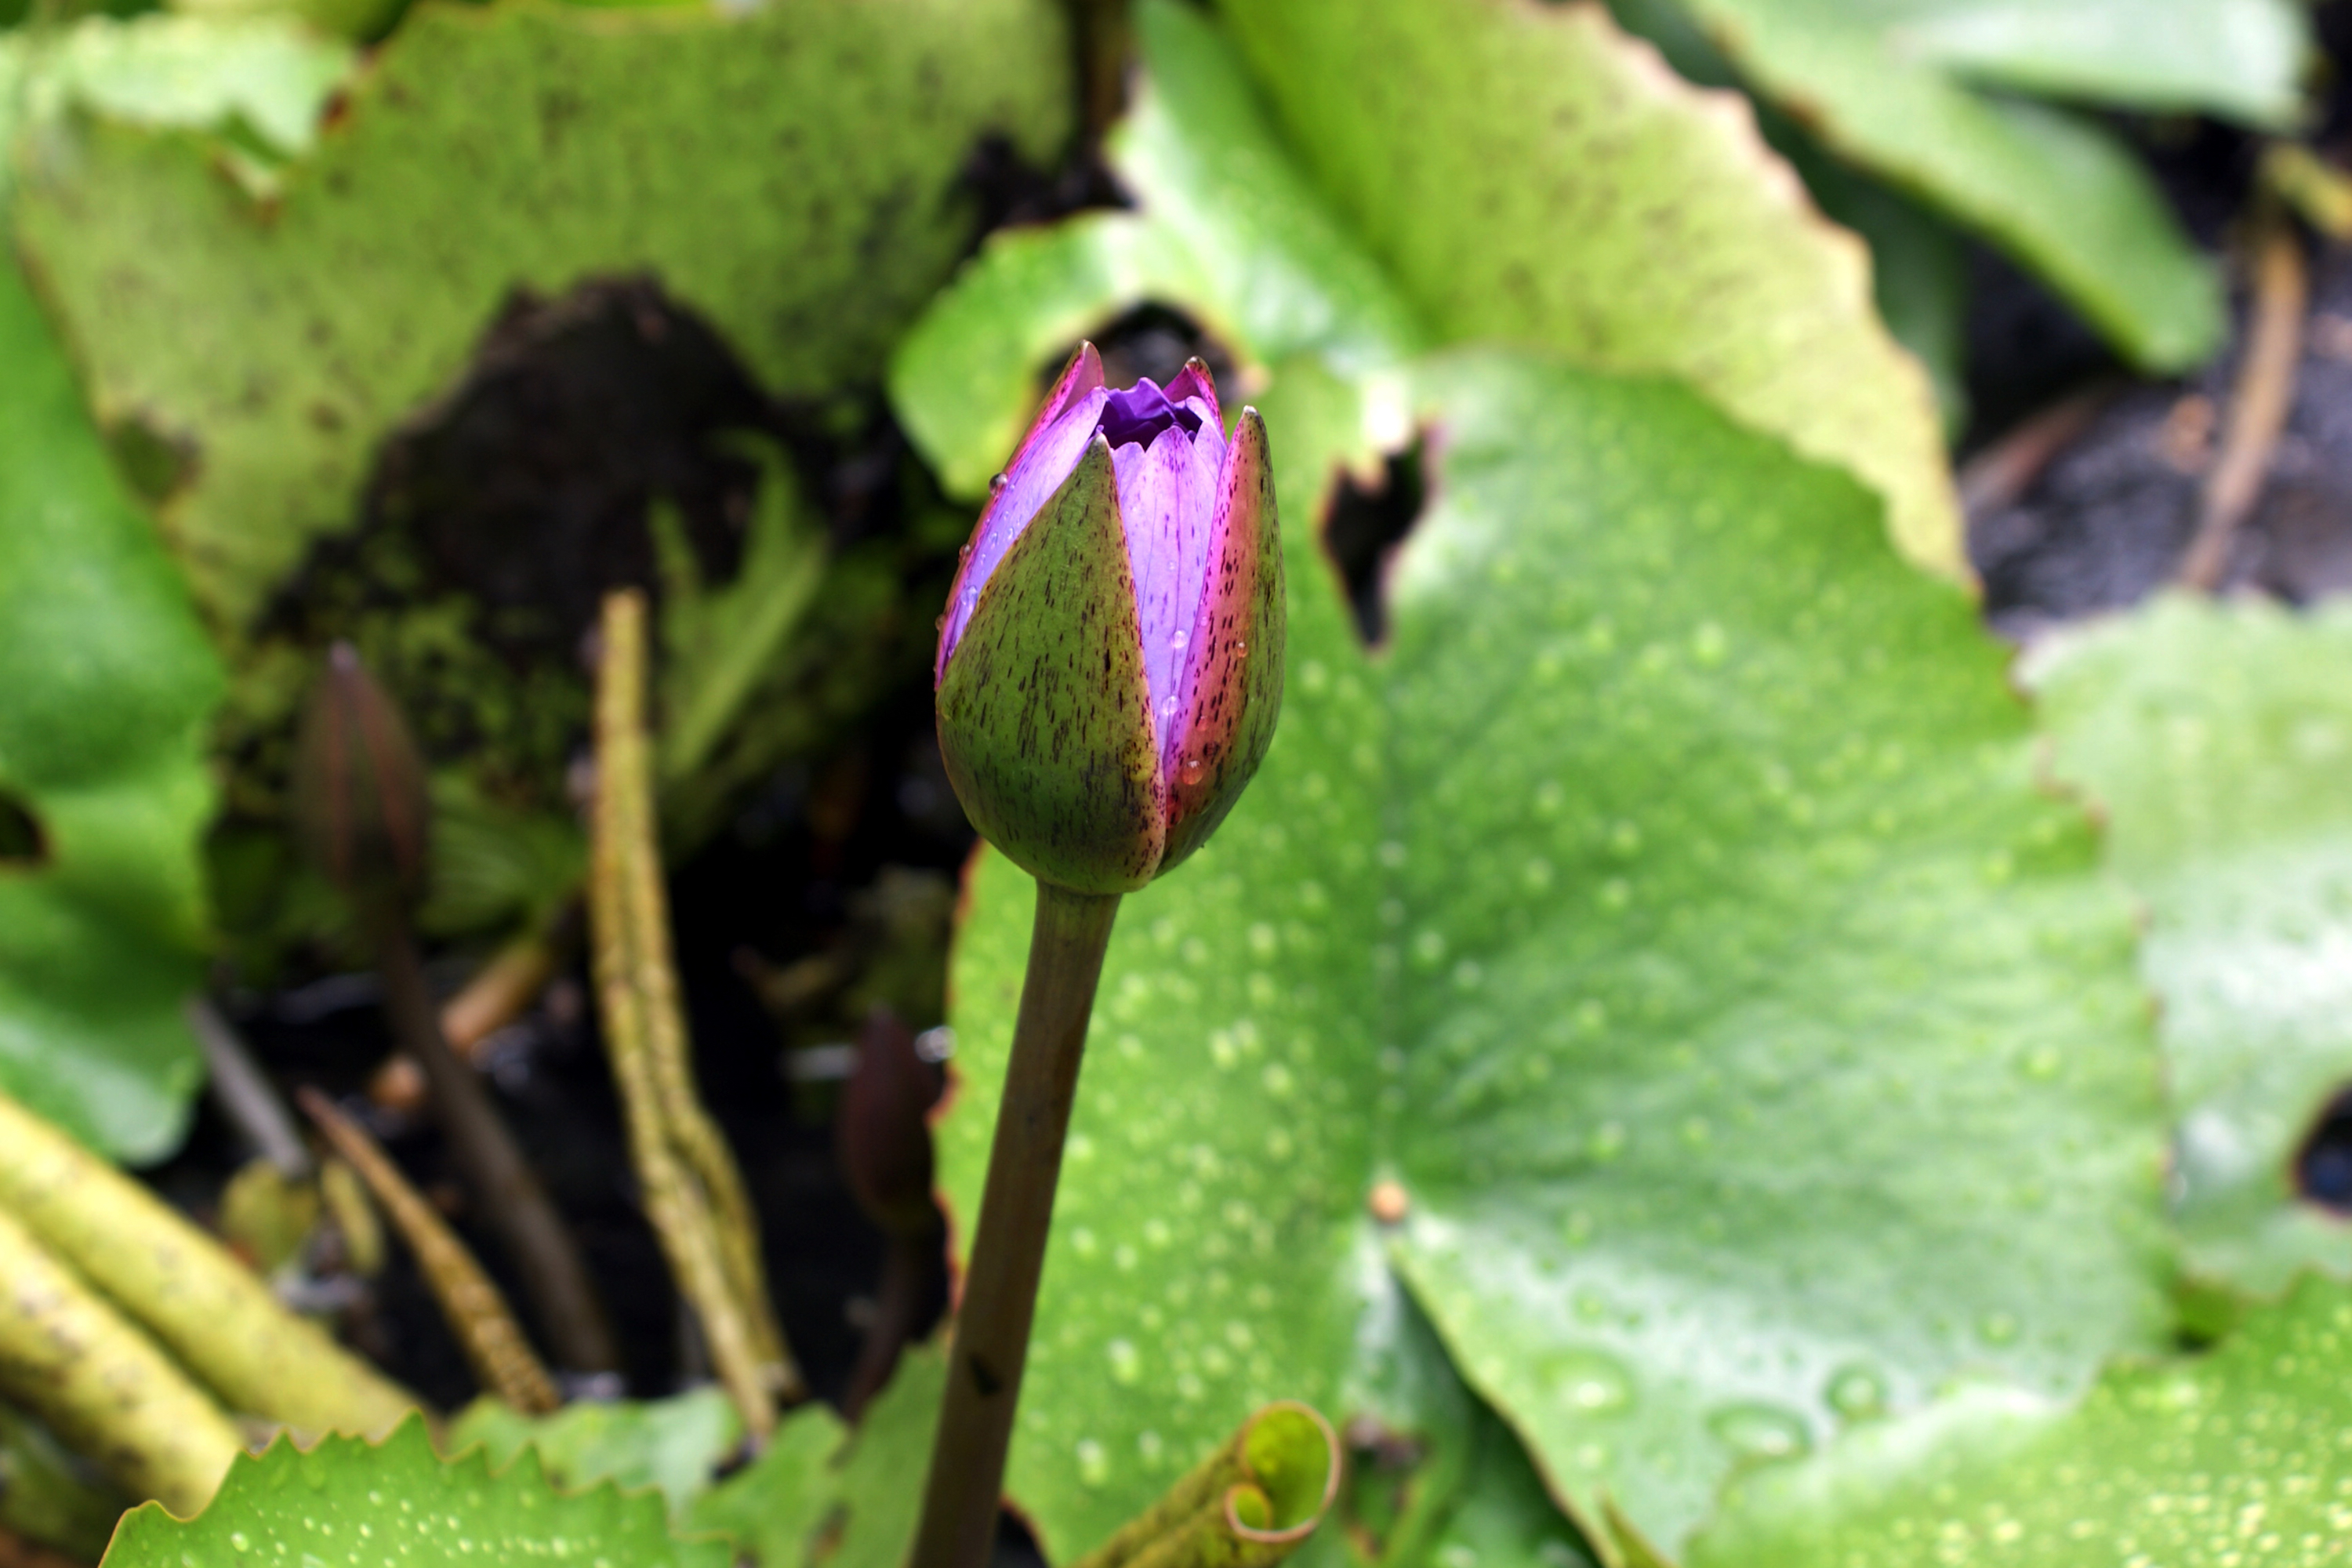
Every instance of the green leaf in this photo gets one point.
(2241, 60)
(105, 685)
(2215, 738)
(847, 1501)
(50, 1495)
(1530, 174)
(672, 1444)
(1880, 85)
(1230, 229)
(1670, 910)
(774, 1507)
(718, 643)
(2243, 1456)
(397, 1501)
(1463, 171)
(793, 172)
(1918, 270)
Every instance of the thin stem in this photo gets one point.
(909, 1284)
(569, 1311)
(244, 1093)
(2260, 401)
(1008, 1252)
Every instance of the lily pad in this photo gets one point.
(1532, 174)
(2216, 739)
(2242, 1457)
(397, 1501)
(791, 172)
(1659, 956)
(106, 682)
(1466, 171)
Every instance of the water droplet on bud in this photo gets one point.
(1241, 649)
(1193, 770)
(964, 553)
(939, 624)
(996, 484)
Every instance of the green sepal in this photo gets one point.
(1045, 709)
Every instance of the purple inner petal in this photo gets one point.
(1141, 411)
(1167, 498)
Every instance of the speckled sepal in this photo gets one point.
(1043, 707)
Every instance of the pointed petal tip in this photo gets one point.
(1195, 381)
(1082, 375)
(1248, 441)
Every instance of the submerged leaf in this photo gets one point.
(673, 1444)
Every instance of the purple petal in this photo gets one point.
(1052, 449)
(1141, 411)
(1167, 498)
(1194, 387)
(1229, 692)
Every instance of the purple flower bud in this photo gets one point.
(1110, 661)
(358, 787)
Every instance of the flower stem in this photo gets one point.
(1008, 1252)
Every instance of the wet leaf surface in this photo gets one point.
(1658, 956)
(2215, 738)
(2241, 1457)
(399, 1502)
(106, 682)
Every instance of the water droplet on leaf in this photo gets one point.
(1760, 1431)
(1588, 1382)
(1857, 1393)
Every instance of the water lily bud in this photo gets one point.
(358, 787)
(1110, 662)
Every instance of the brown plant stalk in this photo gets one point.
(475, 1309)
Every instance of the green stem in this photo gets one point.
(1008, 1251)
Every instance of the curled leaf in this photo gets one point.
(1249, 1504)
